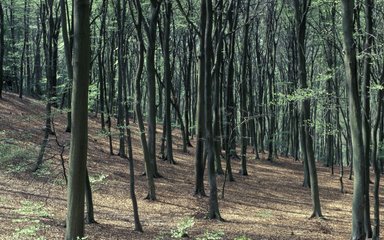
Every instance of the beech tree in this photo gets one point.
(301, 11)
(2, 49)
(350, 63)
(79, 135)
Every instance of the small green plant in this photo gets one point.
(215, 235)
(182, 228)
(14, 157)
(29, 220)
(99, 178)
(243, 237)
(30, 230)
(264, 214)
(32, 209)
(103, 133)
(43, 171)
(83, 238)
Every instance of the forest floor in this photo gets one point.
(270, 203)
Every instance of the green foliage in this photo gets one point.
(15, 158)
(215, 235)
(92, 95)
(103, 133)
(34, 209)
(376, 86)
(31, 224)
(83, 238)
(43, 171)
(183, 227)
(297, 96)
(98, 178)
(264, 214)
(30, 230)
(243, 237)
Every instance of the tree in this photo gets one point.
(120, 12)
(366, 121)
(200, 112)
(67, 40)
(350, 63)
(151, 83)
(243, 95)
(167, 78)
(149, 169)
(79, 134)
(230, 144)
(301, 10)
(2, 49)
(214, 212)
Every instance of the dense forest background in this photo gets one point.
(231, 85)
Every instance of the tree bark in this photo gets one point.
(350, 63)
(301, 10)
(366, 121)
(214, 212)
(148, 165)
(151, 84)
(2, 49)
(168, 79)
(79, 135)
(199, 156)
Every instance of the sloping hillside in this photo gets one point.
(268, 204)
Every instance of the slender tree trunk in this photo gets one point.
(101, 69)
(376, 168)
(151, 84)
(148, 165)
(132, 193)
(167, 78)
(230, 146)
(366, 121)
(214, 212)
(350, 62)
(90, 218)
(120, 16)
(243, 96)
(218, 87)
(79, 135)
(187, 86)
(2, 49)
(301, 10)
(199, 156)
(68, 57)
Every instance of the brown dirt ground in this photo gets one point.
(268, 204)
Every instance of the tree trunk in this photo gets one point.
(243, 96)
(366, 121)
(230, 146)
(90, 218)
(132, 193)
(168, 79)
(301, 9)
(120, 16)
(2, 49)
(148, 165)
(376, 168)
(79, 135)
(151, 84)
(68, 57)
(214, 212)
(350, 62)
(199, 156)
